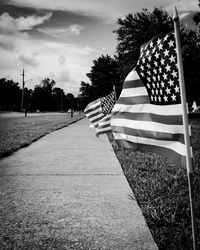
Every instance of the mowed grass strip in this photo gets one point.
(161, 190)
(18, 132)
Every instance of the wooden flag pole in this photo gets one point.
(185, 124)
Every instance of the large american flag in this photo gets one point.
(99, 112)
(148, 114)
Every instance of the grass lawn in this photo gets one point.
(17, 132)
(161, 190)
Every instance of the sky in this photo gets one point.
(60, 39)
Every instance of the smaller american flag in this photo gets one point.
(98, 113)
(107, 103)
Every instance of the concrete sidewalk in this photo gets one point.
(67, 191)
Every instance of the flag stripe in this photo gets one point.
(96, 122)
(130, 83)
(93, 110)
(170, 154)
(136, 100)
(136, 91)
(176, 146)
(104, 125)
(104, 130)
(148, 125)
(173, 120)
(96, 116)
(150, 134)
(94, 113)
(166, 110)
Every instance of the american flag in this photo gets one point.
(94, 113)
(107, 103)
(99, 111)
(148, 114)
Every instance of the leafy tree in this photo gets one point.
(82, 101)
(191, 62)
(87, 92)
(10, 95)
(28, 100)
(43, 95)
(71, 101)
(58, 99)
(103, 76)
(196, 18)
(135, 30)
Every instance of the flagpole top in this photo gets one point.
(176, 17)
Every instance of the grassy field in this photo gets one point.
(161, 190)
(17, 132)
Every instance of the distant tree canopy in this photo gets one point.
(10, 95)
(196, 18)
(103, 76)
(44, 97)
(191, 62)
(47, 97)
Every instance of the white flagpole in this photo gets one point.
(185, 124)
(114, 89)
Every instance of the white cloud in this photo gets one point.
(9, 24)
(66, 63)
(182, 6)
(75, 29)
(28, 60)
(63, 76)
(184, 15)
(72, 30)
(61, 60)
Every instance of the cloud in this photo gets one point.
(63, 76)
(183, 5)
(9, 24)
(58, 32)
(28, 60)
(184, 15)
(75, 29)
(61, 60)
(7, 45)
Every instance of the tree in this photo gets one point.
(43, 95)
(135, 30)
(82, 102)
(58, 99)
(196, 18)
(103, 76)
(10, 95)
(88, 92)
(71, 101)
(191, 63)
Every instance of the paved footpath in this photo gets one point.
(67, 191)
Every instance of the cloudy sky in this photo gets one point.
(60, 39)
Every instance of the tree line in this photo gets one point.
(133, 31)
(44, 97)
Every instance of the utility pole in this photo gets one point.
(22, 101)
